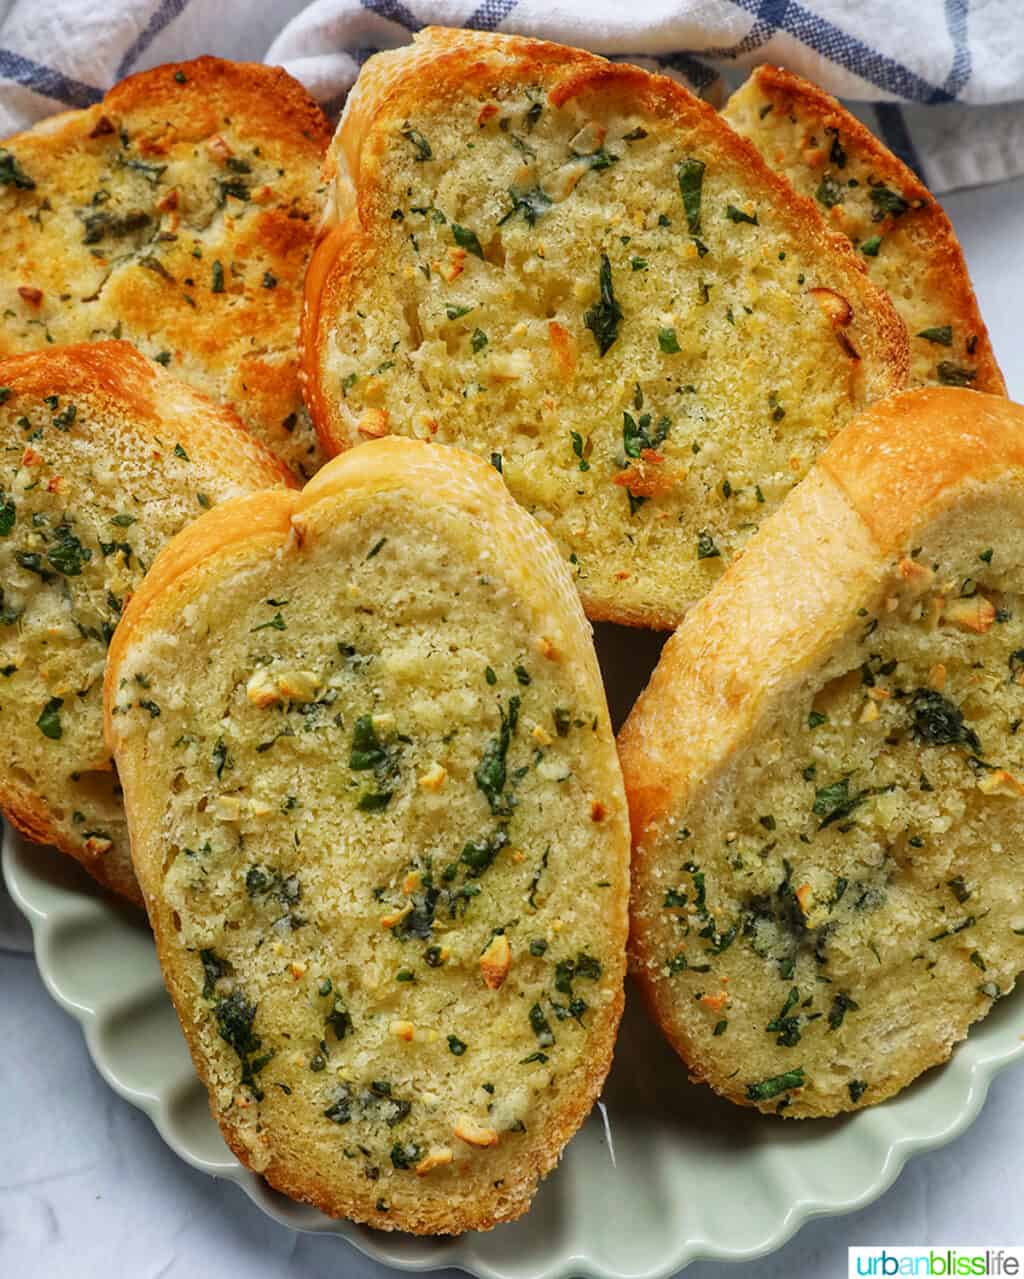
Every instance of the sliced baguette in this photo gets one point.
(178, 214)
(381, 832)
(649, 411)
(825, 776)
(104, 457)
(890, 216)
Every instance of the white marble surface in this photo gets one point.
(88, 1189)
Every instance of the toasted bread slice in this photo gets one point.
(890, 216)
(381, 832)
(105, 456)
(178, 214)
(825, 776)
(577, 269)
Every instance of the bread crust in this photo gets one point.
(885, 476)
(146, 402)
(269, 523)
(946, 264)
(237, 347)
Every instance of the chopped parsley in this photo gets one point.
(777, 1084)
(841, 1005)
(834, 802)
(691, 182)
(950, 374)
(577, 448)
(540, 1027)
(367, 753)
(12, 174)
(937, 722)
(68, 554)
(276, 623)
(479, 855)
(235, 1017)
(419, 144)
(532, 204)
(942, 335)
(639, 434)
(467, 239)
(706, 548)
(48, 722)
(829, 192)
(887, 203)
(490, 773)
(604, 317)
(784, 1024)
(213, 969)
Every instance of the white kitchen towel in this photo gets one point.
(941, 81)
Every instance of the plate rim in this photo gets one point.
(457, 1252)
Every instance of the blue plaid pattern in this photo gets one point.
(936, 53)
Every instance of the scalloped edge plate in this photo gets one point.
(651, 1182)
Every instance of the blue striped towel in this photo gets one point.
(941, 81)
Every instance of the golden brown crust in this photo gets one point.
(944, 264)
(887, 474)
(448, 62)
(145, 401)
(146, 398)
(234, 342)
(267, 522)
(273, 102)
(32, 818)
(908, 454)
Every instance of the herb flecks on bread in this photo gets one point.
(380, 828)
(576, 270)
(826, 773)
(890, 217)
(104, 458)
(177, 214)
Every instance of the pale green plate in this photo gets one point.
(663, 1172)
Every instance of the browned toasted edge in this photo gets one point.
(272, 100)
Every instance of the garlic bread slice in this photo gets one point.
(576, 269)
(901, 231)
(177, 214)
(380, 828)
(104, 458)
(826, 773)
